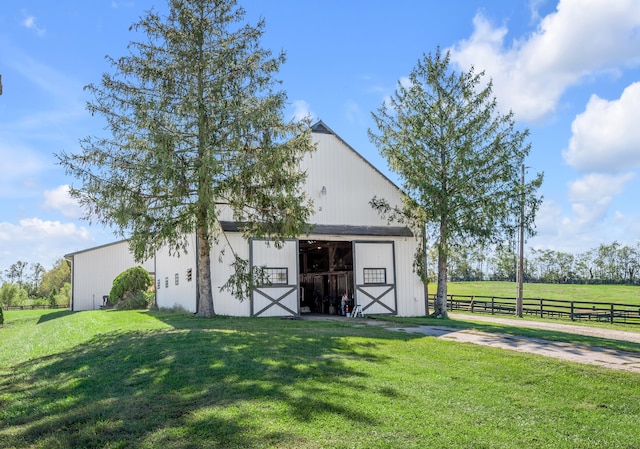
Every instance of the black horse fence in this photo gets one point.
(546, 308)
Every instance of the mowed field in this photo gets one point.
(124, 379)
(626, 294)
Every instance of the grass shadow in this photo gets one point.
(201, 378)
(54, 315)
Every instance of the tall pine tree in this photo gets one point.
(459, 162)
(196, 129)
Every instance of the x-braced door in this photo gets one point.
(374, 276)
(279, 296)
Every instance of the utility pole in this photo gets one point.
(521, 255)
(0, 84)
(426, 271)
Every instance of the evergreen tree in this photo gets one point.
(458, 159)
(197, 135)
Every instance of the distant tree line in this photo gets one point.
(23, 282)
(612, 263)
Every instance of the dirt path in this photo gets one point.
(592, 355)
(609, 358)
(568, 328)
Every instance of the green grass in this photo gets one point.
(627, 294)
(109, 379)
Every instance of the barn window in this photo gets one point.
(189, 274)
(276, 276)
(158, 284)
(166, 282)
(177, 278)
(375, 275)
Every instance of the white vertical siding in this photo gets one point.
(374, 255)
(349, 181)
(225, 303)
(411, 301)
(94, 270)
(184, 295)
(170, 294)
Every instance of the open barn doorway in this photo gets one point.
(326, 272)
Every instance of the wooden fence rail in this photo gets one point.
(547, 308)
(36, 306)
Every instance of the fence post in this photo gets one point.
(611, 316)
(572, 317)
(541, 308)
(492, 311)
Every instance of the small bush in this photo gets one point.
(133, 301)
(129, 282)
(151, 300)
(177, 308)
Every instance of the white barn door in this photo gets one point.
(374, 274)
(280, 296)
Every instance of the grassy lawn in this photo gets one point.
(110, 379)
(627, 294)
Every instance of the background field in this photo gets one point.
(115, 379)
(571, 292)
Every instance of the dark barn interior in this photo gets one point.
(326, 272)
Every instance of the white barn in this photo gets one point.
(350, 249)
(93, 271)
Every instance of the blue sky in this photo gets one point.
(569, 69)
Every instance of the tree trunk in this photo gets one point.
(440, 307)
(205, 303)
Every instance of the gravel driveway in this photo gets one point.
(620, 360)
(569, 328)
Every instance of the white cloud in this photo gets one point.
(52, 82)
(592, 195)
(405, 82)
(36, 240)
(59, 199)
(30, 23)
(578, 39)
(534, 6)
(548, 218)
(118, 5)
(619, 217)
(387, 103)
(18, 174)
(354, 113)
(606, 136)
(301, 110)
(30, 229)
(590, 222)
